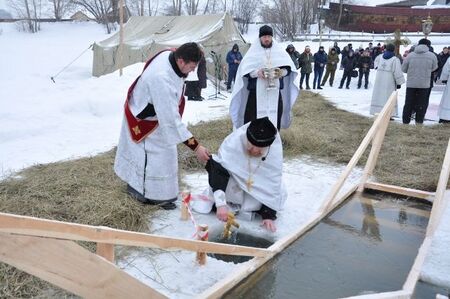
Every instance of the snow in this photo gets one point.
(80, 115)
(437, 261)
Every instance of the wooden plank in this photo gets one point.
(375, 150)
(71, 267)
(106, 251)
(401, 294)
(439, 203)
(224, 285)
(31, 226)
(428, 196)
(414, 274)
(359, 152)
(435, 216)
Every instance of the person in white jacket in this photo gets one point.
(389, 77)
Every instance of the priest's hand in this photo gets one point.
(222, 213)
(202, 154)
(268, 224)
(261, 74)
(278, 73)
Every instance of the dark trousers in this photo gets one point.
(317, 77)
(231, 76)
(331, 74)
(347, 75)
(250, 108)
(302, 77)
(364, 73)
(416, 100)
(193, 90)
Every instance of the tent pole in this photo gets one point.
(121, 37)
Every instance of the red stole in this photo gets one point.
(140, 128)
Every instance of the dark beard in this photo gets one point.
(266, 47)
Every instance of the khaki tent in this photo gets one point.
(145, 36)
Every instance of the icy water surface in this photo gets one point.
(367, 245)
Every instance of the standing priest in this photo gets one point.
(245, 175)
(264, 83)
(146, 157)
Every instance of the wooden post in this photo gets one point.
(186, 197)
(106, 251)
(202, 235)
(375, 149)
(121, 37)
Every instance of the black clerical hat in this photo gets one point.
(265, 30)
(261, 132)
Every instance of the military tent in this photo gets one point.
(145, 36)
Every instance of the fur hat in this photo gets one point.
(261, 132)
(265, 30)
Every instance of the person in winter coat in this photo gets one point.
(389, 77)
(336, 47)
(320, 60)
(442, 59)
(364, 63)
(332, 62)
(234, 57)
(306, 58)
(295, 56)
(419, 66)
(349, 64)
(444, 107)
(196, 81)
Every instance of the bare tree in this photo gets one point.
(101, 10)
(245, 12)
(153, 7)
(143, 7)
(213, 7)
(341, 5)
(175, 8)
(60, 7)
(29, 11)
(289, 17)
(191, 6)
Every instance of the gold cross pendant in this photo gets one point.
(249, 184)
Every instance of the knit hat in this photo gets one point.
(265, 30)
(235, 47)
(261, 132)
(425, 41)
(390, 47)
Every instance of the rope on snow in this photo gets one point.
(64, 68)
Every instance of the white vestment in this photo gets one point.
(257, 58)
(444, 107)
(266, 175)
(151, 166)
(389, 74)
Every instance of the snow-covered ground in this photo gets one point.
(80, 115)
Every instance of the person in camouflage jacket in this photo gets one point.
(333, 60)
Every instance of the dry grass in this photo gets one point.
(87, 190)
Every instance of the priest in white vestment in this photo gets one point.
(389, 77)
(246, 174)
(146, 157)
(264, 84)
(444, 107)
